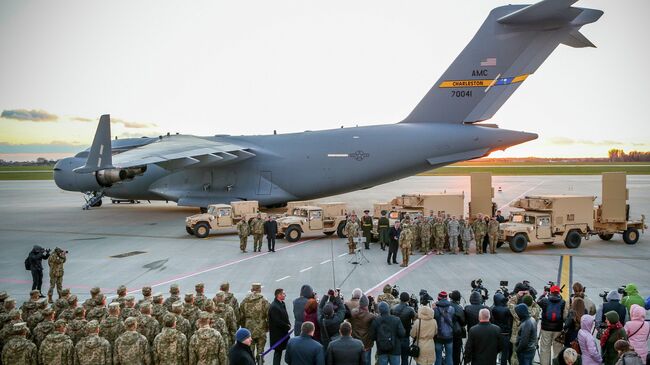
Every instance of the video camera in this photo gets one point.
(425, 298)
(413, 302)
(621, 291)
(477, 286)
(503, 288)
(547, 287)
(371, 304)
(604, 295)
(395, 291)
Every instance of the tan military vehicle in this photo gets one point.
(221, 217)
(548, 219)
(613, 214)
(440, 204)
(324, 218)
(481, 195)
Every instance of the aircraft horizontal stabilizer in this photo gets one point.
(100, 155)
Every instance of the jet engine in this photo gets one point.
(108, 177)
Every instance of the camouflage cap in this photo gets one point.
(204, 315)
(10, 300)
(157, 296)
(256, 286)
(174, 289)
(34, 292)
(3, 295)
(189, 297)
(225, 286)
(99, 298)
(145, 305)
(60, 323)
(14, 313)
(114, 306)
(121, 289)
(78, 311)
(65, 291)
(199, 286)
(42, 303)
(169, 320)
(208, 305)
(95, 291)
(19, 327)
(177, 306)
(220, 296)
(129, 322)
(72, 299)
(146, 290)
(130, 298)
(92, 326)
(47, 311)
(387, 288)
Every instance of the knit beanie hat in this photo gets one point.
(442, 295)
(242, 334)
(455, 295)
(383, 308)
(612, 316)
(363, 302)
(528, 299)
(404, 297)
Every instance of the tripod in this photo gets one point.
(359, 258)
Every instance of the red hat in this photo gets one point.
(442, 295)
(555, 289)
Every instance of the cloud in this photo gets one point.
(564, 141)
(81, 119)
(132, 125)
(29, 115)
(50, 147)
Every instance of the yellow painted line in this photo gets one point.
(564, 279)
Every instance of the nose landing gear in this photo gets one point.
(93, 200)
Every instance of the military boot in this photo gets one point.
(49, 298)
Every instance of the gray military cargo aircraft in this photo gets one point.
(443, 128)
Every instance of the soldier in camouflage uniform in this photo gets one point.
(466, 234)
(174, 296)
(480, 229)
(19, 350)
(351, 230)
(56, 261)
(8, 305)
(129, 308)
(387, 296)
(93, 349)
(383, 228)
(61, 304)
(222, 310)
(68, 313)
(207, 346)
(417, 234)
(44, 328)
(453, 230)
(77, 327)
(182, 324)
(37, 317)
(493, 232)
(366, 228)
(230, 299)
(158, 310)
(31, 305)
(131, 348)
(148, 326)
(190, 311)
(243, 230)
(91, 302)
(406, 239)
(254, 311)
(426, 230)
(257, 229)
(199, 298)
(170, 345)
(216, 322)
(439, 235)
(121, 296)
(57, 347)
(112, 326)
(98, 312)
(146, 294)
(7, 330)
(3, 297)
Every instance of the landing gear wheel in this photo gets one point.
(189, 231)
(605, 236)
(339, 230)
(518, 243)
(98, 204)
(631, 236)
(329, 233)
(293, 234)
(573, 240)
(201, 230)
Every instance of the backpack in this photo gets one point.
(384, 336)
(553, 311)
(28, 264)
(446, 329)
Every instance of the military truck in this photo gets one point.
(439, 204)
(324, 218)
(612, 216)
(548, 219)
(220, 217)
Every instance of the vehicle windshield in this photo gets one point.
(211, 210)
(299, 212)
(522, 218)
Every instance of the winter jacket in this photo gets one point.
(313, 318)
(609, 353)
(527, 335)
(241, 354)
(306, 292)
(588, 345)
(329, 325)
(395, 326)
(279, 323)
(303, 350)
(459, 320)
(131, 348)
(638, 330)
(94, 350)
(571, 327)
(613, 304)
(36, 256)
(428, 328)
(361, 320)
(632, 297)
(545, 303)
(629, 358)
(443, 305)
(501, 315)
(405, 313)
(19, 351)
(471, 310)
(169, 347)
(345, 351)
(483, 344)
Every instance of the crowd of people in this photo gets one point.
(397, 327)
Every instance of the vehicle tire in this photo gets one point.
(606, 236)
(113, 201)
(519, 242)
(189, 231)
(631, 236)
(573, 239)
(293, 234)
(500, 243)
(98, 204)
(340, 228)
(203, 210)
(201, 230)
(329, 233)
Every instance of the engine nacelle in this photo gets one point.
(107, 178)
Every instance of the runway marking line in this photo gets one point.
(565, 275)
(286, 277)
(343, 254)
(326, 261)
(307, 268)
(221, 266)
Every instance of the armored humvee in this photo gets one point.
(324, 218)
(221, 217)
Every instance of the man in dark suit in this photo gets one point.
(394, 243)
(271, 230)
(279, 325)
(345, 350)
(483, 341)
(304, 350)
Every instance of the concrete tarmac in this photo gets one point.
(146, 244)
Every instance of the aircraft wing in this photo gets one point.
(180, 151)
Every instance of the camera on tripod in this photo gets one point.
(477, 286)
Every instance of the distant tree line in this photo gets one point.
(616, 155)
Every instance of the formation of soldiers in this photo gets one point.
(256, 228)
(153, 330)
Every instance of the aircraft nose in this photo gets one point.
(63, 177)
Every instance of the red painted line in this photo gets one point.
(398, 275)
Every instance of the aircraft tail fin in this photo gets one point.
(100, 156)
(511, 44)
